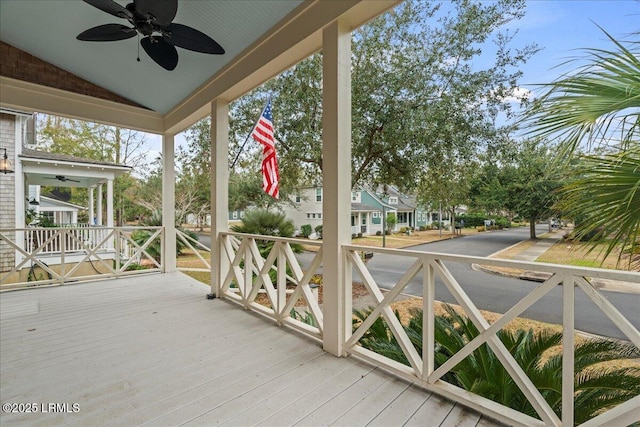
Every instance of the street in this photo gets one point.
(493, 292)
(497, 293)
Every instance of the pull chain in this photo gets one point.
(138, 59)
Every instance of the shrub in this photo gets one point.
(378, 233)
(359, 235)
(318, 230)
(483, 374)
(391, 222)
(267, 223)
(305, 230)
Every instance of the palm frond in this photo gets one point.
(605, 192)
(597, 104)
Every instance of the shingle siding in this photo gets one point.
(7, 190)
(21, 65)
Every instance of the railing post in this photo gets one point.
(63, 248)
(281, 281)
(117, 235)
(428, 319)
(568, 349)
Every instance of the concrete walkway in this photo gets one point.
(550, 239)
(535, 251)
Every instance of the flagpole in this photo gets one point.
(249, 135)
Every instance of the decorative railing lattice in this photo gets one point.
(421, 369)
(195, 247)
(50, 256)
(278, 276)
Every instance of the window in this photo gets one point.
(319, 194)
(241, 214)
(308, 216)
(402, 217)
(374, 215)
(393, 200)
(234, 215)
(319, 216)
(298, 198)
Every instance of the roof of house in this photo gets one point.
(30, 153)
(361, 207)
(405, 202)
(55, 202)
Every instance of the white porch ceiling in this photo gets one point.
(261, 37)
(47, 29)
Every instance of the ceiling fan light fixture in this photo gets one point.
(5, 163)
(149, 17)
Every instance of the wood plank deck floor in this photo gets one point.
(151, 350)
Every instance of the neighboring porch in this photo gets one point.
(152, 349)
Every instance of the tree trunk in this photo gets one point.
(452, 220)
(532, 228)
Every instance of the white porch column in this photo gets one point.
(219, 191)
(92, 213)
(169, 203)
(110, 203)
(99, 207)
(336, 177)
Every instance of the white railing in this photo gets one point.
(266, 275)
(422, 369)
(195, 247)
(278, 277)
(54, 256)
(75, 238)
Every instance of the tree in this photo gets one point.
(599, 105)
(194, 175)
(418, 94)
(524, 182)
(149, 194)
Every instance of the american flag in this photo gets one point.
(263, 133)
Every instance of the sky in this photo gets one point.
(564, 27)
(561, 28)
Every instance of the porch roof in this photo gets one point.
(42, 168)
(48, 203)
(143, 350)
(40, 53)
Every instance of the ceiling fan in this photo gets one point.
(63, 178)
(153, 20)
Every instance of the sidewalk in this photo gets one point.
(534, 252)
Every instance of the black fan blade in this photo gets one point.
(165, 54)
(162, 10)
(107, 33)
(111, 7)
(192, 39)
